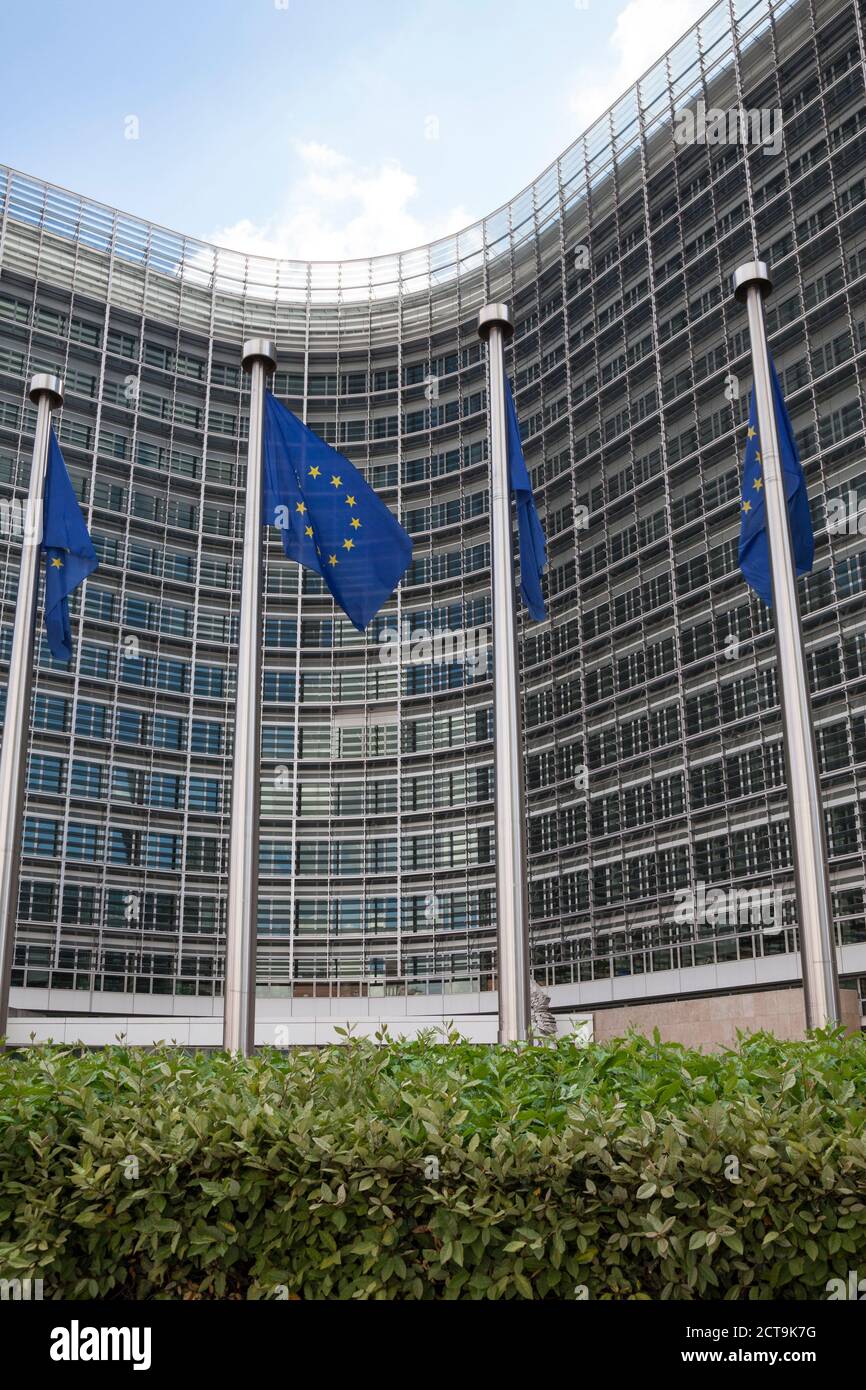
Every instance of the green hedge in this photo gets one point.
(629, 1170)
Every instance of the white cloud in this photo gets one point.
(337, 209)
(644, 30)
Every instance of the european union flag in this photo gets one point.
(754, 551)
(533, 555)
(69, 553)
(331, 519)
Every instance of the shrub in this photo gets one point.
(421, 1170)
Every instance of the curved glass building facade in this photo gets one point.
(654, 765)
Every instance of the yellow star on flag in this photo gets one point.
(348, 544)
(350, 501)
(752, 432)
(355, 522)
(758, 484)
(57, 563)
(335, 481)
(332, 559)
(747, 506)
(300, 508)
(308, 531)
(315, 471)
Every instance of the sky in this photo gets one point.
(314, 129)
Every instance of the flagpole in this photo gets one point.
(239, 1019)
(46, 392)
(512, 909)
(814, 904)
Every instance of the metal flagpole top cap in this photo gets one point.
(495, 316)
(44, 384)
(259, 350)
(754, 274)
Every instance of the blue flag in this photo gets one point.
(533, 555)
(331, 520)
(69, 553)
(754, 551)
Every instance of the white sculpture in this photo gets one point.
(543, 1020)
